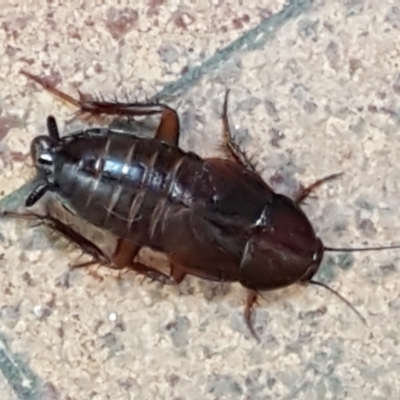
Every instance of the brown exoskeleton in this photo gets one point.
(213, 218)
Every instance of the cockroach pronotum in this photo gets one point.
(213, 218)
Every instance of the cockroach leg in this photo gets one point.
(151, 273)
(304, 193)
(125, 252)
(13, 214)
(248, 312)
(86, 264)
(237, 153)
(124, 256)
(56, 225)
(36, 194)
(178, 273)
(86, 246)
(50, 88)
(168, 129)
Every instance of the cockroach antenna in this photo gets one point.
(349, 249)
(341, 297)
(355, 249)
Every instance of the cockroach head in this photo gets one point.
(315, 263)
(283, 248)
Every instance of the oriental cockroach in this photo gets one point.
(213, 218)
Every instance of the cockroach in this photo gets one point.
(213, 218)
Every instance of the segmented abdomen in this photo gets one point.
(129, 185)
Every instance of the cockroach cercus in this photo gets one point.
(213, 218)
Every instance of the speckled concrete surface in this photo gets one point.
(315, 90)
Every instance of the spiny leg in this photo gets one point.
(87, 246)
(47, 86)
(304, 193)
(248, 312)
(168, 129)
(124, 257)
(237, 153)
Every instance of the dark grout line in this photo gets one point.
(22, 380)
(14, 370)
(251, 40)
